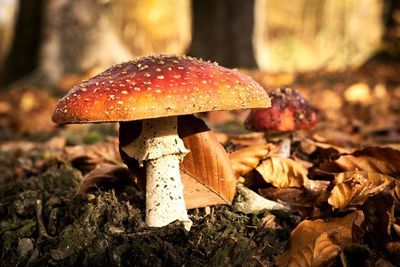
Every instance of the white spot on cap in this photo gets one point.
(160, 77)
(124, 92)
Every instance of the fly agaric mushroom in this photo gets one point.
(289, 112)
(155, 90)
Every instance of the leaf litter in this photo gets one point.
(64, 202)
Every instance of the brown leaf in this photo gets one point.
(298, 199)
(355, 187)
(318, 242)
(283, 172)
(86, 157)
(394, 250)
(333, 139)
(371, 159)
(246, 159)
(247, 139)
(106, 175)
(379, 218)
(206, 172)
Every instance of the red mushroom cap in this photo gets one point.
(289, 112)
(158, 86)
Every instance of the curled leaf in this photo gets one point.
(206, 172)
(383, 160)
(318, 242)
(106, 175)
(355, 187)
(283, 172)
(86, 157)
(246, 159)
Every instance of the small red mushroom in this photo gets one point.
(289, 112)
(155, 90)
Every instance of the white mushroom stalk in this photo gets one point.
(160, 147)
(284, 147)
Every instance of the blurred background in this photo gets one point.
(58, 37)
(342, 55)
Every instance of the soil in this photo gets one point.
(44, 223)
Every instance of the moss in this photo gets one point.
(9, 238)
(108, 229)
(64, 178)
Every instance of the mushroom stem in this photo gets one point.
(284, 147)
(160, 147)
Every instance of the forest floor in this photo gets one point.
(350, 217)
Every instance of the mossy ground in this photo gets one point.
(44, 223)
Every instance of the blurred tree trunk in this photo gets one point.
(67, 36)
(222, 31)
(24, 54)
(391, 37)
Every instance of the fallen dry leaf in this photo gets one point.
(338, 143)
(105, 175)
(247, 139)
(306, 203)
(297, 198)
(86, 157)
(207, 175)
(284, 172)
(382, 160)
(355, 187)
(379, 219)
(318, 242)
(206, 172)
(246, 159)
